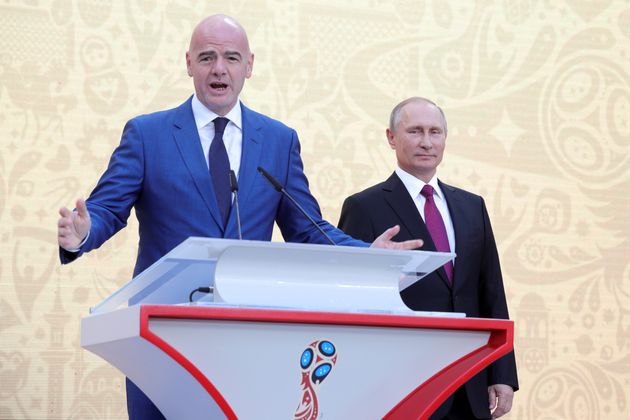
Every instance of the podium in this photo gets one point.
(291, 331)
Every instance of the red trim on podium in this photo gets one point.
(146, 333)
(419, 404)
(425, 399)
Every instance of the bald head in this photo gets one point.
(220, 24)
(219, 60)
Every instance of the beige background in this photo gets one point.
(537, 93)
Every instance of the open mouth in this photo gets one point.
(219, 86)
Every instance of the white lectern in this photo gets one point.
(291, 331)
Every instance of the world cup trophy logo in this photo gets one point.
(316, 363)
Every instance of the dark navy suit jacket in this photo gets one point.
(477, 288)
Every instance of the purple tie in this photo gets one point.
(220, 168)
(435, 224)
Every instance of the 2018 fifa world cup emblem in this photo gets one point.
(316, 363)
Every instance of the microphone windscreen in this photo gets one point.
(271, 179)
(233, 183)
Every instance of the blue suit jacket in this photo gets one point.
(159, 168)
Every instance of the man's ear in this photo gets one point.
(188, 64)
(390, 138)
(250, 66)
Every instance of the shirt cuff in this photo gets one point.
(77, 249)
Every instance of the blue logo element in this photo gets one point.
(321, 372)
(327, 348)
(306, 359)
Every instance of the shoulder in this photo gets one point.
(466, 201)
(369, 193)
(162, 116)
(459, 193)
(378, 190)
(262, 121)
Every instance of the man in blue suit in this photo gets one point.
(164, 165)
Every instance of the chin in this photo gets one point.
(219, 107)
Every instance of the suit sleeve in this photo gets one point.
(356, 221)
(493, 303)
(112, 199)
(295, 227)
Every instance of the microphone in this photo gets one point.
(280, 189)
(234, 188)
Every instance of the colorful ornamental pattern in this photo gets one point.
(316, 363)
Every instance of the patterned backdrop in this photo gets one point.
(537, 93)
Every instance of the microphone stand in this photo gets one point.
(234, 188)
(280, 188)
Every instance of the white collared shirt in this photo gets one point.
(414, 186)
(232, 136)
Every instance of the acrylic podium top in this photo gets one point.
(280, 275)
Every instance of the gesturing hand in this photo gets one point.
(385, 241)
(73, 226)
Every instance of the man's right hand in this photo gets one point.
(73, 226)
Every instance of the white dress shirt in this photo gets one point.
(232, 136)
(414, 186)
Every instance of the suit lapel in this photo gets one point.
(403, 205)
(250, 158)
(252, 147)
(455, 209)
(187, 139)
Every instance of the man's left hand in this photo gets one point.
(385, 241)
(500, 397)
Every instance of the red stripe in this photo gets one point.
(425, 399)
(145, 332)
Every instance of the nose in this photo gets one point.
(219, 68)
(424, 141)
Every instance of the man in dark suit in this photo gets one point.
(447, 219)
(173, 168)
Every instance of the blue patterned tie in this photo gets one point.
(220, 168)
(435, 225)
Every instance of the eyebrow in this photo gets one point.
(213, 53)
(206, 54)
(422, 127)
(233, 54)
